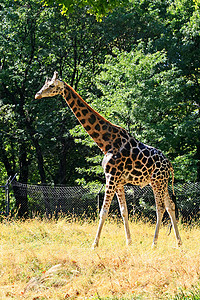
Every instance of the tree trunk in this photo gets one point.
(198, 153)
(21, 199)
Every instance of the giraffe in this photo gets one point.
(126, 160)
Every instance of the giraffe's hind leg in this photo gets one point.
(124, 212)
(160, 208)
(163, 201)
(109, 193)
(170, 207)
(159, 212)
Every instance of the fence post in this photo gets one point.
(7, 196)
(7, 199)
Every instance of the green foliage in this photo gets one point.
(144, 94)
(99, 8)
(36, 40)
(139, 68)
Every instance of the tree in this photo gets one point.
(35, 41)
(37, 141)
(173, 28)
(144, 94)
(184, 23)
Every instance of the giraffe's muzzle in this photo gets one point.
(38, 96)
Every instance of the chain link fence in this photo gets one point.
(79, 201)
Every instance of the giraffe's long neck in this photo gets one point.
(104, 133)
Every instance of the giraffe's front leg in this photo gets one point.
(124, 212)
(109, 193)
(103, 215)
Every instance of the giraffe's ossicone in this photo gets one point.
(126, 159)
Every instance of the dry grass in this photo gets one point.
(54, 260)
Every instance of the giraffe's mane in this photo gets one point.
(87, 105)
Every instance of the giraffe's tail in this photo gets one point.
(173, 198)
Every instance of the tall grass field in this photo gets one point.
(41, 259)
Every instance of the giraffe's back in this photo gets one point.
(136, 163)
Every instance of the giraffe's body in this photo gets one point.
(126, 159)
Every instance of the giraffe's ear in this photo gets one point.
(55, 75)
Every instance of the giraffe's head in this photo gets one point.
(51, 87)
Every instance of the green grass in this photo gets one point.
(193, 294)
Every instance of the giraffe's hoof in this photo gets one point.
(179, 243)
(95, 245)
(154, 245)
(128, 242)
